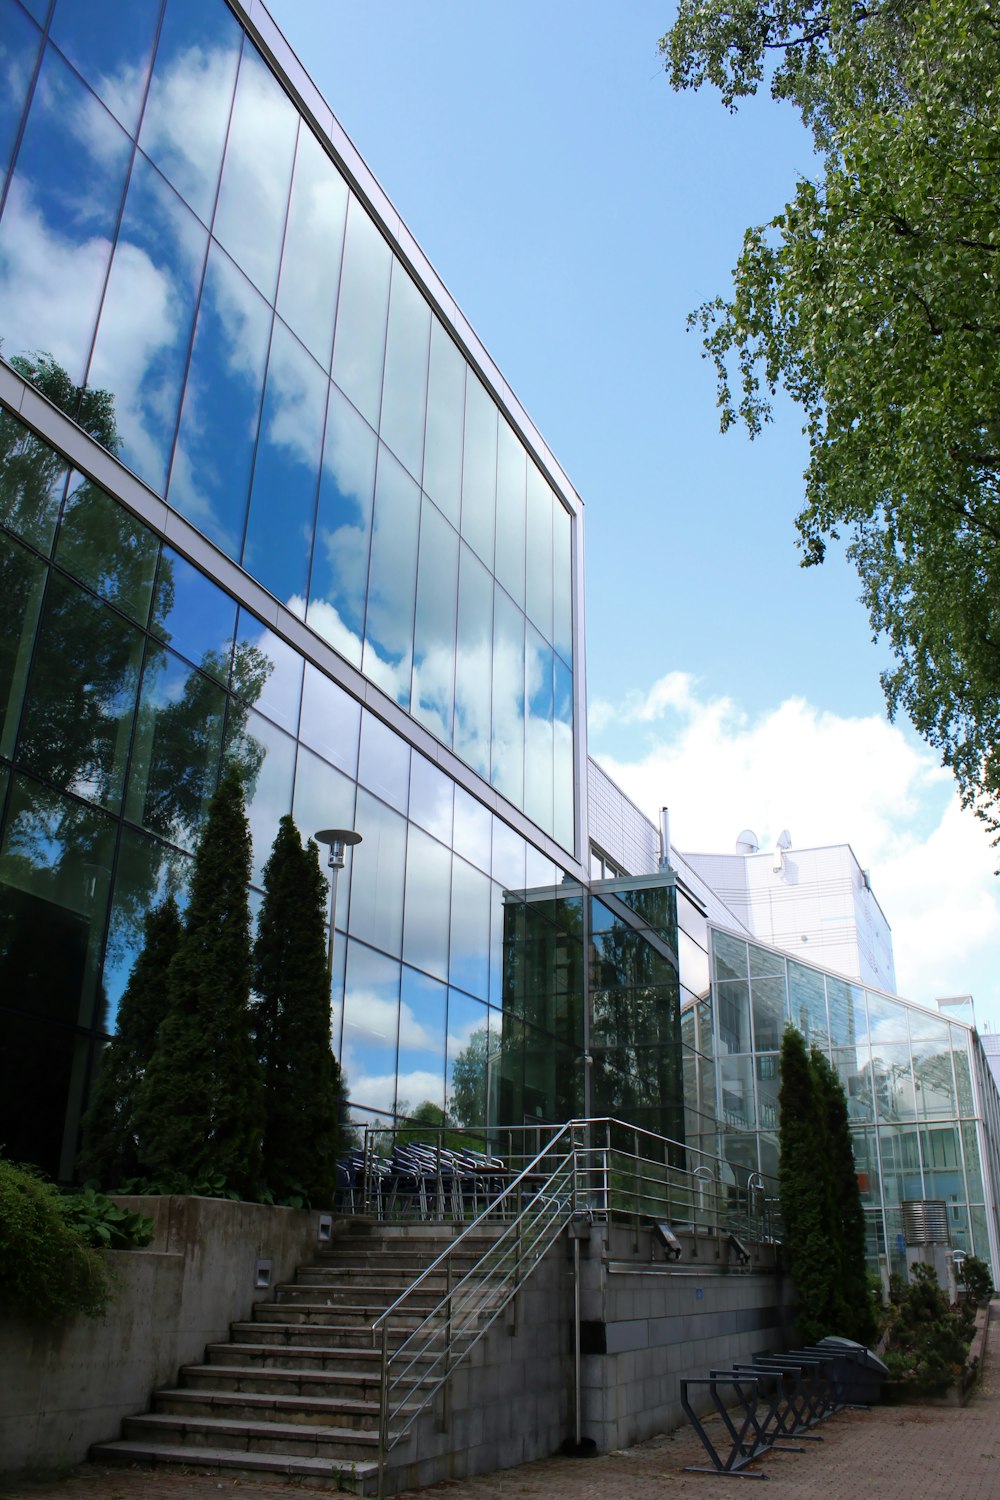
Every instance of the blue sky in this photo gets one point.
(578, 210)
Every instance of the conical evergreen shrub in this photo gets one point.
(848, 1212)
(200, 1112)
(111, 1151)
(302, 1084)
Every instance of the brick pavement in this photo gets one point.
(891, 1453)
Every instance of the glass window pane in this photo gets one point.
(932, 1078)
(146, 321)
(433, 694)
(538, 738)
(392, 580)
(427, 904)
(472, 830)
(404, 387)
(384, 766)
(732, 1000)
(768, 1071)
(59, 220)
(736, 1089)
(848, 1016)
(854, 1069)
(377, 875)
(265, 760)
(469, 958)
(729, 955)
(371, 1027)
(177, 746)
(765, 963)
(963, 1079)
(422, 1025)
(32, 481)
(55, 873)
(508, 856)
(893, 1081)
(314, 240)
(257, 172)
(468, 1050)
(511, 479)
(807, 1004)
(474, 663)
(973, 1164)
(210, 475)
(193, 615)
(331, 720)
(562, 580)
(146, 873)
(359, 342)
(538, 591)
(279, 533)
(19, 44)
(445, 423)
(508, 699)
(104, 546)
(270, 672)
(431, 798)
(110, 46)
(81, 695)
(479, 471)
(190, 94)
(769, 1012)
(886, 1019)
(325, 798)
(564, 819)
(22, 582)
(343, 532)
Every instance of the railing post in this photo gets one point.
(383, 1411)
(446, 1401)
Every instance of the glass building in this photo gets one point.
(266, 501)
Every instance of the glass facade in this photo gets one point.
(187, 271)
(922, 1106)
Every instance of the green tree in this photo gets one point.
(200, 1110)
(845, 1197)
(302, 1085)
(811, 1239)
(873, 298)
(111, 1151)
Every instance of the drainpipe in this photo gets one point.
(664, 838)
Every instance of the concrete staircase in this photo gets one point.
(295, 1391)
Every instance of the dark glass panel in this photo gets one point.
(286, 472)
(768, 1085)
(331, 720)
(265, 759)
(257, 173)
(472, 829)
(38, 1064)
(736, 1089)
(146, 873)
(432, 797)
(427, 900)
(732, 1002)
(59, 220)
(433, 693)
(55, 872)
(146, 320)
(19, 43)
(404, 385)
(769, 1012)
(371, 1026)
(104, 546)
(730, 956)
(422, 1025)
(474, 663)
(81, 695)
(511, 479)
(562, 580)
(377, 876)
(384, 764)
(392, 580)
(359, 342)
(176, 748)
(469, 956)
(314, 238)
(193, 615)
(210, 475)
(343, 531)
(538, 549)
(496, 943)
(32, 481)
(508, 699)
(479, 471)
(110, 45)
(538, 737)
(468, 1056)
(324, 798)
(190, 96)
(564, 820)
(445, 422)
(22, 583)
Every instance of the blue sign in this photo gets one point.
(900, 1244)
(698, 1294)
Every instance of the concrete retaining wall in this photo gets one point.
(67, 1387)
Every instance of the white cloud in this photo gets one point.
(829, 779)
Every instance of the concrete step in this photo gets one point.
(253, 1435)
(302, 1335)
(345, 1475)
(352, 1294)
(327, 1314)
(359, 1414)
(294, 1356)
(330, 1384)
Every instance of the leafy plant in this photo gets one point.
(928, 1341)
(104, 1224)
(48, 1272)
(974, 1275)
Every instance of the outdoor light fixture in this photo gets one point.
(339, 840)
(671, 1244)
(739, 1250)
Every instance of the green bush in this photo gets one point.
(104, 1224)
(928, 1341)
(974, 1275)
(48, 1272)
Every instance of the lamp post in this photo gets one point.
(339, 841)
